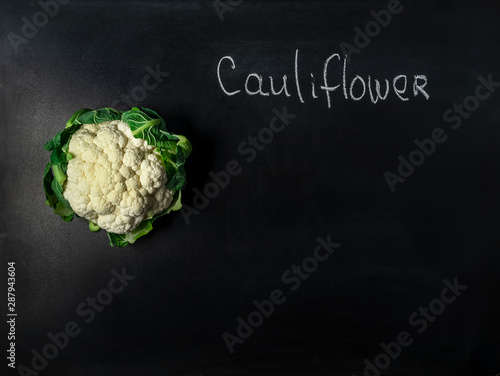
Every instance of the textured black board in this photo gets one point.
(322, 175)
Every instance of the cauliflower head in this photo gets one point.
(119, 170)
(114, 179)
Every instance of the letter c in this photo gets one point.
(274, 128)
(218, 76)
(112, 288)
(445, 299)
(481, 96)
(316, 254)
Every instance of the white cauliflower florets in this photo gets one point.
(114, 179)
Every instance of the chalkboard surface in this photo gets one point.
(345, 222)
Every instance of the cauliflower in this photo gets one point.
(114, 179)
(118, 170)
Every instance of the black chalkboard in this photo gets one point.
(321, 234)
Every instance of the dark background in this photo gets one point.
(322, 176)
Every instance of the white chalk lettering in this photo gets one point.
(355, 87)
